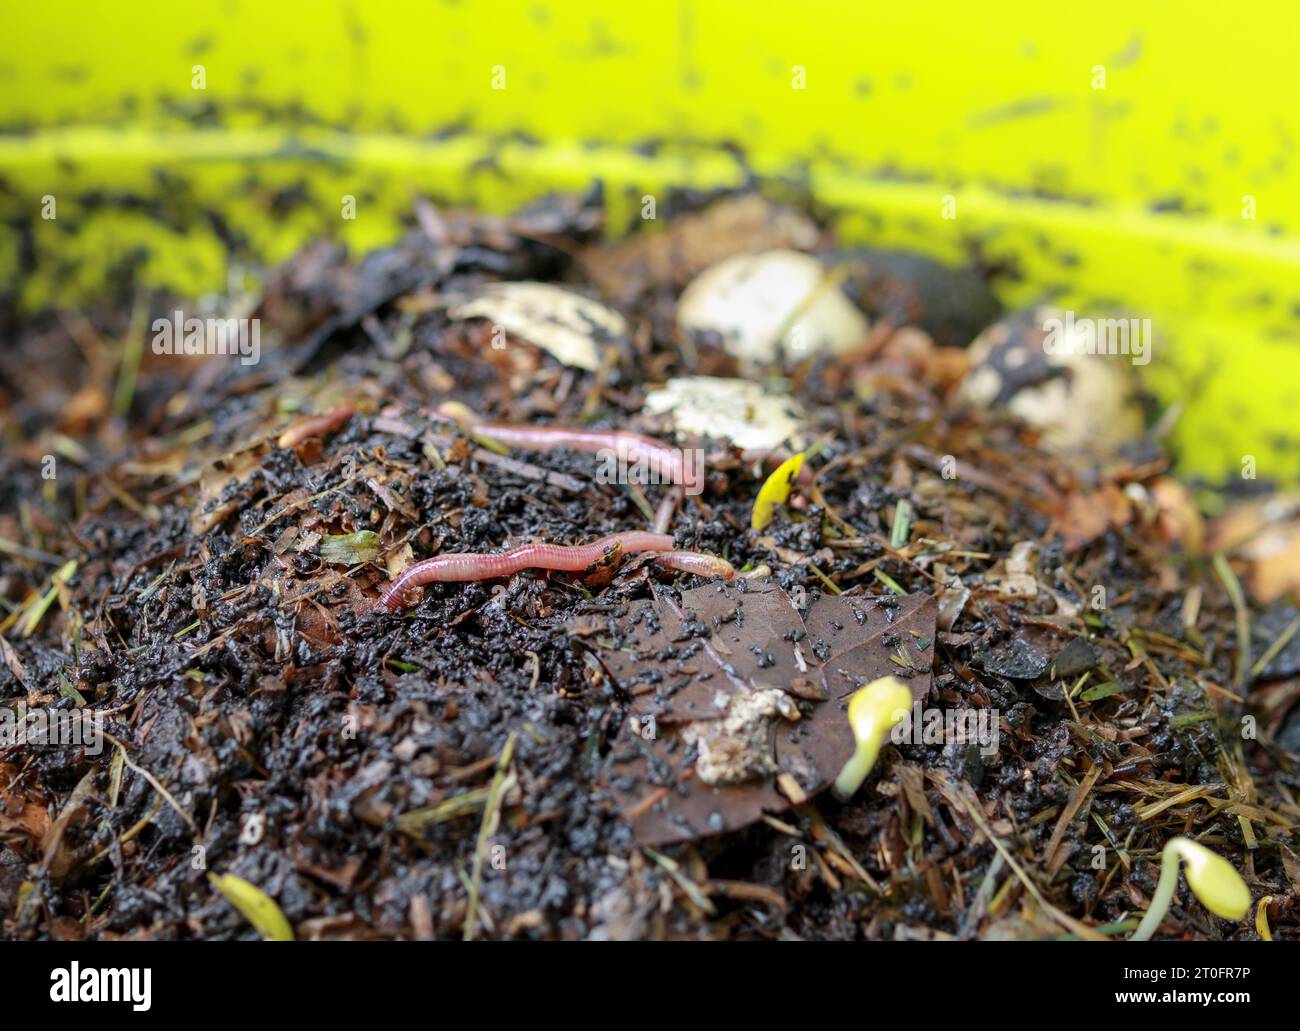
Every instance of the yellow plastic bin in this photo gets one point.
(1127, 157)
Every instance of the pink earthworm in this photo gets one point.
(669, 464)
(666, 463)
(468, 566)
(316, 426)
(696, 562)
(666, 510)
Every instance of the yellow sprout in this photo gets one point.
(1261, 919)
(873, 712)
(256, 905)
(1211, 878)
(775, 490)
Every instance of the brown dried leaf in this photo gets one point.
(1083, 517)
(710, 679)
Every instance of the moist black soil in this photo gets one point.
(445, 771)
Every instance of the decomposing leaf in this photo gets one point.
(22, 808)
(58, 857)
(565, 324)
(1017, 578)
(349, 549)
(12, 661)
(1076, 657)
(1086, 515)
(1274, 558)
(732, 690)
(1044, 656)
(218, 498)
(1246, 519)
(1266, 532)
(1102, 690)
(1177, 515)
(1021, 656)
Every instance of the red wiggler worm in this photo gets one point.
(668, 464)
(666, 510)
(316, 426)
(469, 566)
(696, 562)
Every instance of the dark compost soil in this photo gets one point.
(267, 722)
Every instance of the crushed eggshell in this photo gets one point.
(737, 410)
(566, 325)
(1081, 401)
(769, 304)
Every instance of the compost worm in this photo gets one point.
(666, 510)
(668, 464)
(568, 558)
(316, 426)
(696, 562)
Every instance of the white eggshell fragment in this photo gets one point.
(727, 409)
(1081, 400)
(764, 305)
(565, 324)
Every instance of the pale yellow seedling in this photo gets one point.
(1212, 879)
(873, 712)
(775, 490)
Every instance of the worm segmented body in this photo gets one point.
(316, 426)
(668, 464)
(572, 559)
(696, 562)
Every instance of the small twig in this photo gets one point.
(641, 501)
(155, 782)
(491, 818)
(902, 528)
(1275, 647)
(8, 547)
(1233, 586)
(953, 791)
(132, 352)
(830, 584)
(663, 517)
(692, 890)
(528, 471)
(887, 580)
(1067, 814)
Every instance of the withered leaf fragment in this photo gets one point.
(732, 688)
